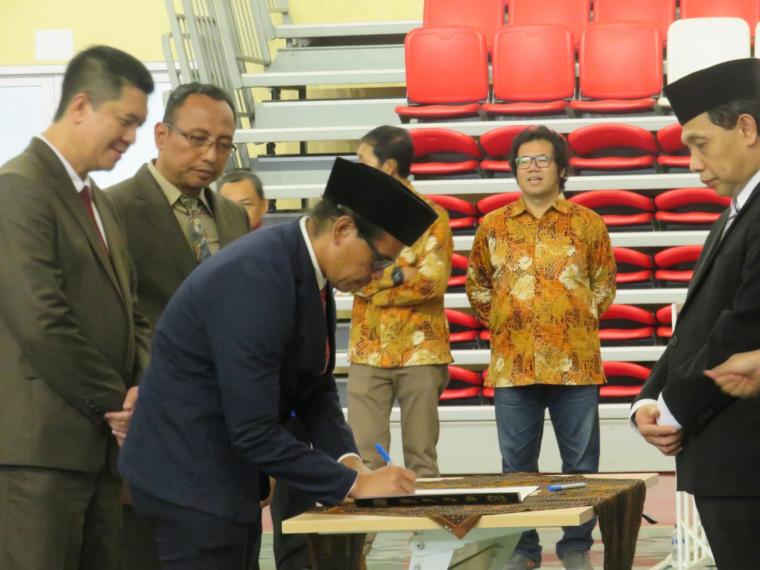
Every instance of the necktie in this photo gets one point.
(198, 237)
(323, 298)
(86, 196)
(732, 213)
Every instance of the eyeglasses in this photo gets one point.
(202, 142)
(541, 160)
(379, 260)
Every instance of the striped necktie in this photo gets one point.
(732, 213)
(198, 237)
(323, 297)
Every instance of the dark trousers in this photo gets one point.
(140, 550)
(54, 519)
(291, 551)
(731, 525)
(574, 411)
(191, 540)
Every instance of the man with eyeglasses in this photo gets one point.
(399, 343)
(541, 272)
(248, 340)
(174, 221)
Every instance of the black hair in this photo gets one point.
(178, 96)
(391, 143)
(559, 143)
(239, 175)
(101, 72)
(727, 115)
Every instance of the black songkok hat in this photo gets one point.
(380, 199)
(708, 88)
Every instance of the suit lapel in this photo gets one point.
(158, 213)
(315, 323)
(224, 226)
(713, 244)
(66, 192)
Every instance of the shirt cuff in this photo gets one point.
(351, 490)
(634, 409)
(666, 418)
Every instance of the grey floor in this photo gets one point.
(389, 551)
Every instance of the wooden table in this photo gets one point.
(432, 548)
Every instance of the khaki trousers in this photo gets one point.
(371, 393)
(52, 519)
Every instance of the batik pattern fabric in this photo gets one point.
(405, 325)
(541, 285)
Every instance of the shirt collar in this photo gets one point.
(321, 279)
(518, 207)
(743, 196)
(75, 179)
(173, 193)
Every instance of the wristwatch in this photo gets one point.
(397, 276)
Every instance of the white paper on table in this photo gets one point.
(522, 491)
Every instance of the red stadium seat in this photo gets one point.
(598, 147)
(484, 15)
(626, 324)
(624, 380)
(664, 317)
(463, 385)
(458, 278)
(616, 88)
(747, 9)
(533, 71)
(446, 73)
(498, 144)
(496, 201)
(659, 13)
(463, 215)
(676, 154)
(676, 264)
(634, 268)
(618, 208)
(463, 329)
(432, 146)
(689, 207)
(571, 14)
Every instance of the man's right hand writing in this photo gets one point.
(667, 439)
(386, 481)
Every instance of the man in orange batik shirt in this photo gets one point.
(541, 272)
(399, 344)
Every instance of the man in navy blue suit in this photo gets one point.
(247, 340)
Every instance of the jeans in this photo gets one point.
(574, 412)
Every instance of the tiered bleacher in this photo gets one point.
(465, 80)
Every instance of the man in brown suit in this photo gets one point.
(72, 345)
(174, 221)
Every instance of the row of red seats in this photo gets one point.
(624, 382)
(619, 324)
(488, 15)
(620, 209)
(446, 152)
(669, 267)
(533, 71)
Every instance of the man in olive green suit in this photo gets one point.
(168, 234)
(174, 221)
(72, 345)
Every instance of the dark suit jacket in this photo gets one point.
(158, 247)
(240, 346)
(71, 341)
(721, 316)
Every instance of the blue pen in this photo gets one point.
(566, 486)
(384, 454)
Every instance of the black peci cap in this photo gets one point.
(708, 88)
(380, 199)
